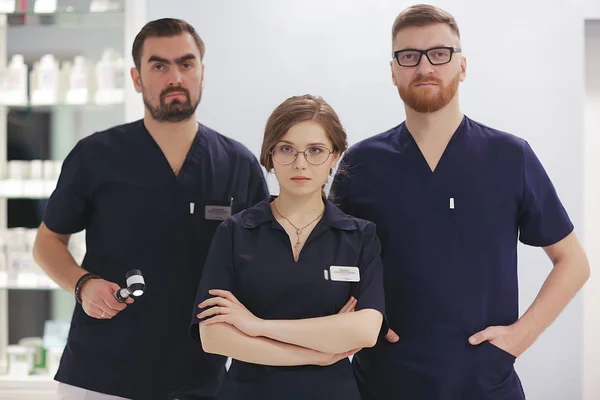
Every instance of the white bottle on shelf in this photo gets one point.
(14, 185)
(106, 79)
(104, 6)
(50, 175)
(44, 6)
(19, 274)
(119, 65)
(64, 80)
(47, 79)
(34, 186)
(79, 82)
(14, 85)
(3, 267)
(7, 6)
(20, 361)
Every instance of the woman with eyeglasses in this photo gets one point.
(293, 286)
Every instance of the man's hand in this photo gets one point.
(98, 300)
(225, 307)
(349, 306)
(391, 336)
(507, 338)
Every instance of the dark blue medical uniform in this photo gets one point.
(119, 187)
(251, 257)
(449, 249)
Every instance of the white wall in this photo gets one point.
(591, 355)
(524, 76)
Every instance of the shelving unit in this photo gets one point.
(69, 123)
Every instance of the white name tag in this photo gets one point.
(344, 274)
(217, 213)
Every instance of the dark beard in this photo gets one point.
(175, 111)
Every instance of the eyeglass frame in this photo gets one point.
(424, 52)
(303, 153)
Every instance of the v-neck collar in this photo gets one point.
(407, 141)
(261, 214)
(190, 157)
(333, 217)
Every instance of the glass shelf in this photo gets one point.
(50, 107)
(26, 189)
(13, 285)
(67, 19)
(31, 281)
(69, 11)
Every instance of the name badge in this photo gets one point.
(344, 274)
(217, 213)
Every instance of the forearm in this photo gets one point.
(332, 334)
(226, 340)
(564, 281)
(52, 255)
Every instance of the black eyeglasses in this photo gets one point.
(436, 56)
(286, 155)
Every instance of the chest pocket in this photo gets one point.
(483, 219)
(331, 287)
(472, 220)
(204, 215)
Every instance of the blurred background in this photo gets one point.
(533, 70)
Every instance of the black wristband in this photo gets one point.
(83, 279)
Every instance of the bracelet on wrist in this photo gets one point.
(79, 285)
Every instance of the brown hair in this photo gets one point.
(299, 109)
(423, 15)
(165, 27)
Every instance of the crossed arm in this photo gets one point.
(232, 330)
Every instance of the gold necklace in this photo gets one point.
(298, 230)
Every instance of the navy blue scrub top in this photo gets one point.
(119, 187)
(251, 257)
(449, 249)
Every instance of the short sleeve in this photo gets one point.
(370, 290)
(543, 220)
(257, 185)
(218, 272)
(68, 208)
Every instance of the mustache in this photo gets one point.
(426, 79)
(170, 90)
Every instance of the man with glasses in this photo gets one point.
(451, 197)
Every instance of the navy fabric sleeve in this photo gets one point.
(218, 272)
(68, 208)
(369, 291)
(257, 185)
(543, 220)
